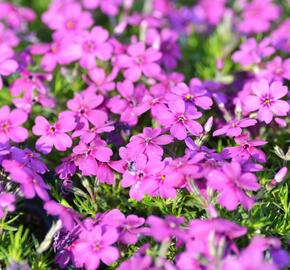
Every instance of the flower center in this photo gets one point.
(267, 100)
(181, 118)
(4, 127)
(246, 146)
(89, 46)
(70, 24)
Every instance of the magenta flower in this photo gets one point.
(109, 7)
(234, 127)
(31, 184)
(29, 159)
(246, 149)
(90, 154)
(232, 183)
(131, 103)
(195, 95)
(163, 229)
(280, 38)
(139, 61)
(257, 16)
(94, 246)
(10, 125)
(7, 65)
(94, 46)
(140, 175)
(179, 119)
(128, 227)
(253, 53)
(276, 70)
(66, 215)
(53, 134)
(266, 100)
(7, 202)
(149, 142)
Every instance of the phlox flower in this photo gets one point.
(149, 142)
(128, 227)
(29, 158)
(8, 36)
(66, 215)
(94, 245)
(53, 134)
(136, 262)
(7, 65)
(68, 19)
(232, 184)
(195, 95)
(257, 16)
(10, 125)
(131, 103)
(140, 175)
(109, 7)
(276, 70)
(280, 38)
(138, 61)
(95, 45)
(31, 183)
(179, 119)
(234, 127)
(266, 98)
(163, 229)
(67, 168)
(88, 156)
(7, 202)
(246, 148)
(252, 52)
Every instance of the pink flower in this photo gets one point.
(246, 149)
(149, 142)
(195, 95)
(109, 7)
(94, 45)
(253, 53)
(139, 61)
(266, 100)
(95, 245)
(53, 134)
(257, 15)
(7, 65)
(179, 119)
(68, 19)
(7, 202)
(276, 70)
(10, 125)
(90, 154)
(31, 183)
(140, 176)
(131, 103)
(232, 183)
(234, 127)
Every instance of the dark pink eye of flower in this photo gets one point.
(89, 46)
(70, 24)
(267, 100)
(5, 127)
(180, 118)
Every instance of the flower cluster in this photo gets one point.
(117, 100)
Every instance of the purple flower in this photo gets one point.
(53, 134)
(7, 65)
(29, 159)
(109, 7)
(90, 154)
(149, 142)
(128, 227)
(139, 61)
(276, 70)
(31, 183)
(232, 183)
(266, 100)
(66, 215)
(253, 53)
(179, 119)
(136, 262)
(94, 245)
(246, 148)
(10, 125)
(140, 175)
(94, 45)
(131, 103)
(257, 15)
(7, 202)
(195, 95)
(234, 127)
(163, 229)
(280, 37)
